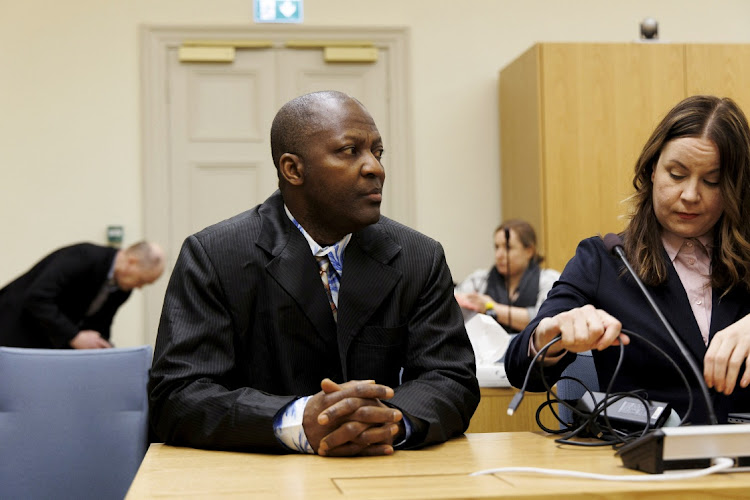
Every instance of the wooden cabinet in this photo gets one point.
(573, 120)
(722, 70)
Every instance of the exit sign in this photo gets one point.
(278, 11)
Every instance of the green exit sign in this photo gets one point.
(278, 11)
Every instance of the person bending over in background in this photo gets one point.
(310, 323)
(688, 239)
(69, 298)
(517, 268)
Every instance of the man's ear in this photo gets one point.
(292, 169)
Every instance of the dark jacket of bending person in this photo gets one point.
(517, 270)
(311, 323)
(70, 297)
(689, 241)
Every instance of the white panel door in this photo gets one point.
(220, 161)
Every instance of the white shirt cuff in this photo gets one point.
(287, 427)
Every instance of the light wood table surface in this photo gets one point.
(439, 472)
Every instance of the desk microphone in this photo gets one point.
(613, 243)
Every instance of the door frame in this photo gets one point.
(157, 41)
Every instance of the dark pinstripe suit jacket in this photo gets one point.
(246, 328)
(46, 307)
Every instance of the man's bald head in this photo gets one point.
(140, 264)
(298, 119)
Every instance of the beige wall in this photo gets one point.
(69, 106)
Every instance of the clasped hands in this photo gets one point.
(350, 419)
(585, 328)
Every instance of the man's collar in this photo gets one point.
(336, 250)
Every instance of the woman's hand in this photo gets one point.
(727, 351)
(581, 329)
(474, 301)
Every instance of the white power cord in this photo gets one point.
(719, 464)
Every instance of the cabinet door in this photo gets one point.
(600, 104)
(722, 70)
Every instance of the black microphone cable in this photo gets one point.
(612, 437)
(587, 420)
(619, 395)
(608, 436)
(522, 390)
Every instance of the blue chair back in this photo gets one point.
(582, 368)
(73, 423)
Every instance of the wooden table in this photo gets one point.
(492, 412)
(439, 472)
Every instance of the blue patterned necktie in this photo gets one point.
(327, 276)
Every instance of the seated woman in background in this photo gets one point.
(517, 271)
(688, 239)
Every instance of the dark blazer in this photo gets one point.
(595, 277)
(246, 329)
(46, 307)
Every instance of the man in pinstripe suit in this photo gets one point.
(253, 353)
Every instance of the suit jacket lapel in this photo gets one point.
(367, 281)
(724, 311)
(293, 266)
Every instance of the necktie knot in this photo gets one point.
(323, 263)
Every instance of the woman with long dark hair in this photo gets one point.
(688, 239)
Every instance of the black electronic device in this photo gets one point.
(625, 413)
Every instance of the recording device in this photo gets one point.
(625, 412)
(680, 447)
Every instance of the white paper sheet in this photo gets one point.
(489, 341)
